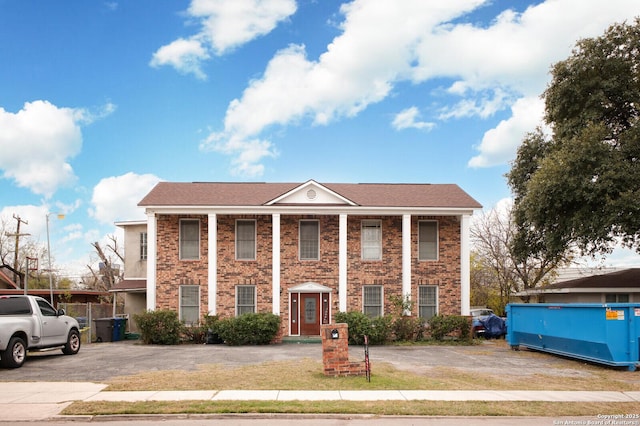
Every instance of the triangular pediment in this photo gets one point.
(311, 192)
(310, 287)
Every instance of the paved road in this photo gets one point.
(99, 362)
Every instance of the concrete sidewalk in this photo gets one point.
(31, 401)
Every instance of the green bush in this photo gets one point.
(378, 329)
(248, 329)
(441, 326)
(161, 327)
(408, 329)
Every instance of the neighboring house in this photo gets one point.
(305, 251)
(134, 285)
(5, 279)
(621, 286)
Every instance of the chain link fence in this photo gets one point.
(85, 313)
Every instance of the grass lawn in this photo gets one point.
(308, 376)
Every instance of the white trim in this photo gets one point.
(304, 187)
(381, 287)
(465, 265)
(437, 258)
(342, 263)
(300, 240)
(370, 223)
(212, 273)
(406, 258)
(310, 287)
(311, 209)
(151, 260)
(255, 240)
(275, 264)
(188, 219)
(180, 288)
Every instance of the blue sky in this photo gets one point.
(100, 100)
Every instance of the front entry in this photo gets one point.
(309, 308)
(310, 314)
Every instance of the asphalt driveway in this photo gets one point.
(99, 362)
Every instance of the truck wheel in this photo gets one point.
(15, 354)
(73, 343)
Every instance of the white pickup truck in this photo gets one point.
(30, 323)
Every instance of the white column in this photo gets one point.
(406, 258)
(152, 255)
(342, 264)
(465, 265)
(212, 264)
(275, 266)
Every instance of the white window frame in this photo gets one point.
(143, 246)
(421, 301)
(379, 307)
(246, 305)
(181, 240)
(370, 245)
(300, 241)
(617, 297)
(189, 307)
(238, 241)
(423, 256)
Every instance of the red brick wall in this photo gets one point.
(171, 272)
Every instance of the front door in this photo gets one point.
(310, 314)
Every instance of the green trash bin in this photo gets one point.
(119, 333)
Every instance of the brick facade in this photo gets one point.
(172, 272)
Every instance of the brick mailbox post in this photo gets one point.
(335, 352)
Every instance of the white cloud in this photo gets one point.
(409, 119)
(117, 197)
(184, 55)
(224, 25)
(38, 142)
(500, 143)
(383, 43)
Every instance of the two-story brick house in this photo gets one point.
(307, 250)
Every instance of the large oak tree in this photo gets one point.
(580, 186)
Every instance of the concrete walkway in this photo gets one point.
(32, 401)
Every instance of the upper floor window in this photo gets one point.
(246, 239)
(371, 240)
(245, 299)
(372, 300)
(428, 240)
(189, 239)
(427, 301)
(143, 246)
(190, 304)
(309, 240)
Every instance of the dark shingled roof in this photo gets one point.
(259, 193)
(628, 278)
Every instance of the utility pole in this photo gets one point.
(17, 235)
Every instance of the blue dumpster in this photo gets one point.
(602, 333)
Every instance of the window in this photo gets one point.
(245, 299)
(372, 300)
(46, 309)
(371, 240)
(190, 304)
(309, 240)
(428, 240)
(246, 239)
(616, 298)
(143, 246)
(427, 301)
(189, 239)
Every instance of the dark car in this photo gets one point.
(485, 323)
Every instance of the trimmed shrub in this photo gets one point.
(378, 329)
(161, 327)
(408, 329)
(458, 326)
(248, 329)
